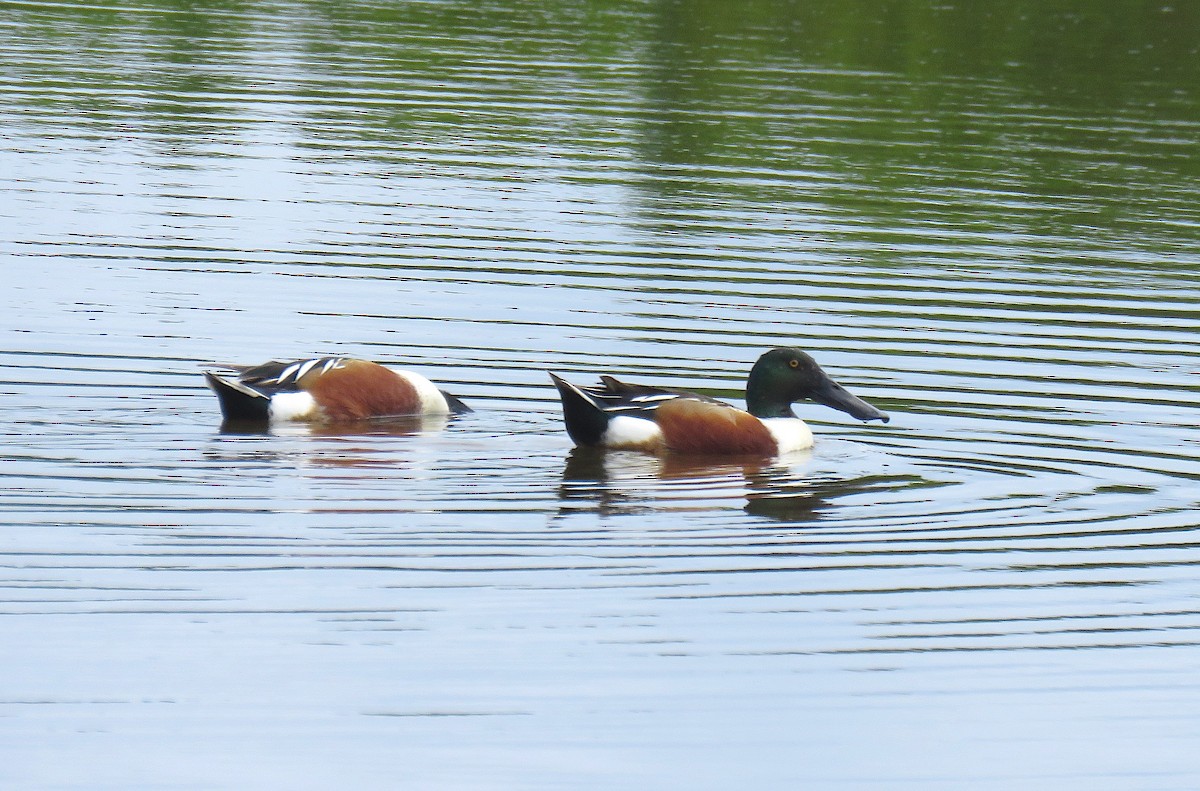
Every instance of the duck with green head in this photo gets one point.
(614, 414)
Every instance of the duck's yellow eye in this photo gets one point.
(794, 363)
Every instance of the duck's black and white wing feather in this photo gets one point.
(278, 377)
(621, 398)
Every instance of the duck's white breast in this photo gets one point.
(790, 433)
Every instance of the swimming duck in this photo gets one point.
(619, 415)
(331, 389)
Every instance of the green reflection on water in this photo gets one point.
(1052, 119)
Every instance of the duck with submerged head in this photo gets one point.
(327, 389)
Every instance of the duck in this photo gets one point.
(326, 389)
(618, 415)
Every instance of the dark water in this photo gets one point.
(980, 218)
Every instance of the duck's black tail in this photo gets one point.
(455, 404)
(238, 402)
(586, 421)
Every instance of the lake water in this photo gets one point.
(982, 218)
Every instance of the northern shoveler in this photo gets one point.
(328, 389)
(619, 415)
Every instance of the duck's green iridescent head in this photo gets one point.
(785, 375)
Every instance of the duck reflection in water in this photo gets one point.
(345, 444)
(624, 482)
(399, 426)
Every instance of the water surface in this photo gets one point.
(982, 220)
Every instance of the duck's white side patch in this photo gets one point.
(432, 400)
(632, 432)
(292, 406)
(790, 433)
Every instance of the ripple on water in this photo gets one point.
(1010, 273)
